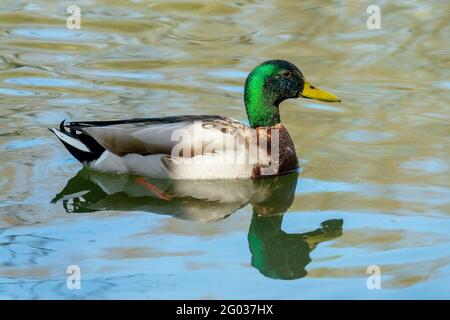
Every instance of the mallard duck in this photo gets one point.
(197, 147)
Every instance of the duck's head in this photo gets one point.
(272, 82)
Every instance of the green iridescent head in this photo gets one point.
(272, 82)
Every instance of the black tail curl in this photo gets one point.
(95, 149)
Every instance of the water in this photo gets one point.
(374, 186)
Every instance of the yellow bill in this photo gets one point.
(312, 92)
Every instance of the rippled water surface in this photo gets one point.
(374, 187)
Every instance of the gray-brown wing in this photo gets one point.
(158, 135)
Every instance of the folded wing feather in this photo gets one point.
(161, 135)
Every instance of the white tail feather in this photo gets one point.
(71, 141)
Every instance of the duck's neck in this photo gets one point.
(260, 103)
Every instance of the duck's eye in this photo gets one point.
(312, 87)
(287, 74)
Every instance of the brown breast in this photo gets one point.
(280, 151)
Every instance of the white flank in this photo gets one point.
(208, 167)
(150, 165)
(108, 161)
(205, 168)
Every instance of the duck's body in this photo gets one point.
(197, 147)
(145, 147)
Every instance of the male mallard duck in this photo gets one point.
(201, 146)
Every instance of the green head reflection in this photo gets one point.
(275, 253)
(280, 255)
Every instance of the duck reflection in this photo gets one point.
(275, 253)
(280, 255)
